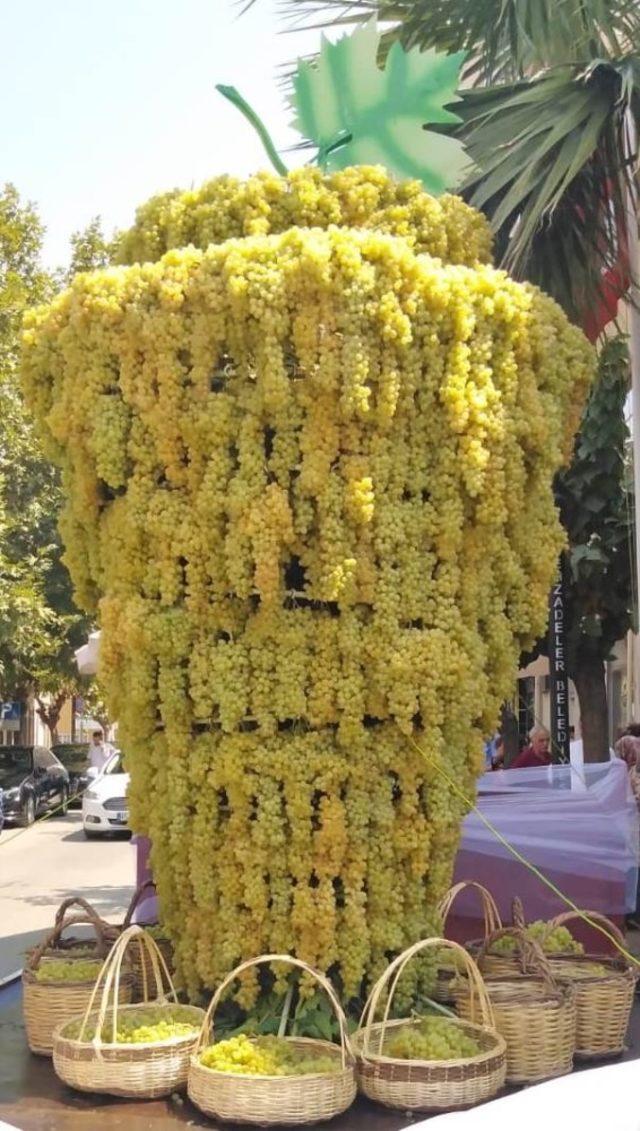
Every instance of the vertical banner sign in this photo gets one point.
(559, 680)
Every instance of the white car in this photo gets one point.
(104, 803)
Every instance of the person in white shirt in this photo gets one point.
(99, 751)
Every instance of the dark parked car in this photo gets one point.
(33, 781)
(75, 758)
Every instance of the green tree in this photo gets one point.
(39, 624)
(89, 249)
(95, 706)
(596, 507)
(551, 111)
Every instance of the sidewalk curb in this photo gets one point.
(10, 979)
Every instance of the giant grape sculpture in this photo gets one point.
(308, 438)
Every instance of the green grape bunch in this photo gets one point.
(71, 971)
(157, 931)
(575, 971)
(435, 1038)
(558, 940)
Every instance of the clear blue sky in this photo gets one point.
(107, 104)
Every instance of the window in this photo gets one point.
(15, 761)
(44, 760)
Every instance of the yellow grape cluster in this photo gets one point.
(267, 204)
(309, 474)
(139, 1027)
(265, 1056)
(155, 1032)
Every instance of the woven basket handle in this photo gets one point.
(395, 970)
(492, 920)
(531, 956)
(207, 1024)
(587, 916)
(75, 901)
(108, 981)
(58, 929)
(135, 900)
(517, 913)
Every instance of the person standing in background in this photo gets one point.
(497, 758)
(536, 753)
(99, 751)
(628, 749)
(494, 752)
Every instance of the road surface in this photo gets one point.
(42, 865)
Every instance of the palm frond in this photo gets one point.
(553, 168)
(505, 39)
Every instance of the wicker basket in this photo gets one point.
(275, 1100)
(139, 955)
(429, 1086)
(140, 1071)
(443, 990)
(603, 1001)
(46, 1005)
(535, 1014)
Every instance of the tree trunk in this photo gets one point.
(589, 680)
(50, 714)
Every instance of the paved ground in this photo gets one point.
(40, 866)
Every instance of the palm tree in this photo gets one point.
(550, 114)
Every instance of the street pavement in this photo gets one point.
(41, 866)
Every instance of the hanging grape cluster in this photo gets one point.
(308, 448)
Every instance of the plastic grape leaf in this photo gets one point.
(358, 113)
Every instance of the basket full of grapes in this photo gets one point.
(604, 989)
(448, 963)
(429, 1063)
(501, 955)
(535, 1013)
(57, 984)
(272, 1080)
(138, 1051)
(139, 955)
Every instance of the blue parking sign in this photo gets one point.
(10, 716)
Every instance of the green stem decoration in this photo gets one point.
(239, 102)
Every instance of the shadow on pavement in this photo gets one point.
(14, 832)
(107, 899)
(78, 837)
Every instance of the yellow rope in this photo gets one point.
(523, 860)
